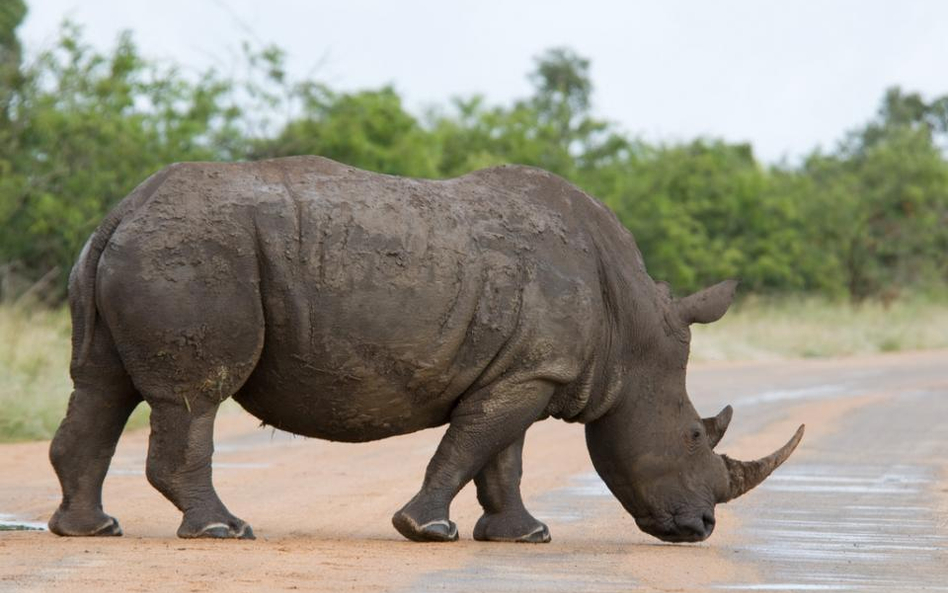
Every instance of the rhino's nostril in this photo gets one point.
(690, 528)
(708, 519)
(693, 528)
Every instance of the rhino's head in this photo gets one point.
(653, 450)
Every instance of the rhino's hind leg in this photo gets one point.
(179, 466)
(85, 441)
(478, 431)
(189, 336)
(505, 519)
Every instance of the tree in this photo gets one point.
(368, 129)
(882, 199)
(12, 13)
(702, 212)
(80, 128)
(552, 128)
(85, 130)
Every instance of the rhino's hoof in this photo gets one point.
(221, 531)
(522, 529)
(441, 530)
(88, 524)
(218, 530)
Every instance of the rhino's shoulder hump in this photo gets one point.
(305, 165)
(517, 175)
(536, 185)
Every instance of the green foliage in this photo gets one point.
(79, 129)
(85, 129)
(552, 129)
(370, 128)
(12, 13)
(880, 203)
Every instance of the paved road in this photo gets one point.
(864, 507)
(861, 506)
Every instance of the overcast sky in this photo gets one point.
(786, 76)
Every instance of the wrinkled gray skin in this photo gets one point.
(345, 305)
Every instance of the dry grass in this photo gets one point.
(813, 327)
(34, 372)
(35, 347)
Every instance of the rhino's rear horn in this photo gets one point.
(717, 426)
(745, 475)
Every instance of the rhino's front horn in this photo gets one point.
(745, 475)
(716, 426)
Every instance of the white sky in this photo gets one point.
(785, 75)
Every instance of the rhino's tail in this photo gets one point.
(82, 300)
(82, 287)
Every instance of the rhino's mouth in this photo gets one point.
(679, 528)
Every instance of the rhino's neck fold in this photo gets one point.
(632, 319)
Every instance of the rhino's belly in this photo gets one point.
(364, 366)
(310, 401)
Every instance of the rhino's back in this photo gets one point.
(387, 298)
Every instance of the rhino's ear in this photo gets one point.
(716, 426)
(707, 305)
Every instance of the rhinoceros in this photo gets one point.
(347, 305)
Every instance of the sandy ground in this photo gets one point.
(863, 505)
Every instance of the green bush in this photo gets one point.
(79, 129)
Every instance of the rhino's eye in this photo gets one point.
(693, 439)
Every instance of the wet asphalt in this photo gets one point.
(865, 508)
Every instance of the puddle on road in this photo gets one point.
(131, 469)
(852, 384)
(502, 568)
(781, 395)
(568, 505)
(849, 528)
(11, 523)
(787, 587)
(255, 440)
(507, 571)
(827, 528)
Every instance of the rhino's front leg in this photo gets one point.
(505, 519)
(483, 424)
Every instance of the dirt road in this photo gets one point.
(861, 506)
